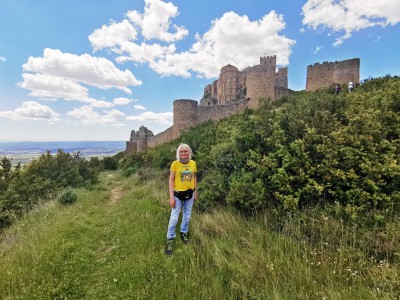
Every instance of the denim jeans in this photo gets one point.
(186, 207)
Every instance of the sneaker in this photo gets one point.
(169, 248)
(185, 238)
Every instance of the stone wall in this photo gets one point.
(131, 147)
(260, 83)
(217, 112)
(329, 73)
(141, 144)
(161, 138)
(191, 114)
(281, 91)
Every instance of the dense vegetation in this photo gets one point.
(109, 244)
(308, 149)
(298, 199)
(23, 188)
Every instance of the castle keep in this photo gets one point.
(235, 90)
(249, 84)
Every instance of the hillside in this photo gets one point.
(298, 199)
(109, 245)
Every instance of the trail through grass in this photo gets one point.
(110, 243)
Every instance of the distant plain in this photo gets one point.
(26, 151)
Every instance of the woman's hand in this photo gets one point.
(172, 202)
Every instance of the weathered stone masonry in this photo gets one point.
(235, 90)
(328, 73)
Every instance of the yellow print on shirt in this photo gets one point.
(186, 174)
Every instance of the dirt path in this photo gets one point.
(115, 195)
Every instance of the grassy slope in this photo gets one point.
(109, 245)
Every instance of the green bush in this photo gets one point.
(246, 192)
(130, 170)
(67, 197)
(110, 163)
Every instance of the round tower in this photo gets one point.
(184, 115)
(228, 84)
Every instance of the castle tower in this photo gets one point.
(268, 61)
(282, 77)
(260, 83)
(228, 84)
(184, 111)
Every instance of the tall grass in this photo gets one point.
(109, 245)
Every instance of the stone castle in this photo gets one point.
(236, 90)
(250, 84)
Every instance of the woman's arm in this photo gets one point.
(171, 188)
(195, 185)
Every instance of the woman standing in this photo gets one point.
(182, 194)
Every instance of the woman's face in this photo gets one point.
(184, 153)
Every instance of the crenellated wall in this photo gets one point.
(329, 73)
(235, 90)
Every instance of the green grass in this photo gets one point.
(109, 245)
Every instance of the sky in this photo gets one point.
(96, 69)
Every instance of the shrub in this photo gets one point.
(110, 163)
(67, 197)
(129, 171)
(246, 192)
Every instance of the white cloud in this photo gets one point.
(95, 71)
(101, 104)
(112, 35)
(105, 104)
(122, 101)
(87, 116)
(49, 87)
(139, 107)
(143, 53)
(2, 59)
(31, 110)
(231, 39)
(149, 116)
(155, 22)
(350, 15)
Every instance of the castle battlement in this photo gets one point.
(328, 73)
(236, 90)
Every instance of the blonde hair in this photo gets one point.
(179, 148)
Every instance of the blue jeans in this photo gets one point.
(186, 207)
